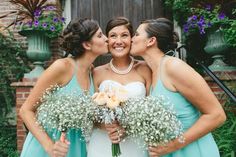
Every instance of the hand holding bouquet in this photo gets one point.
(109, 111)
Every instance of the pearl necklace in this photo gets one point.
(122, 72)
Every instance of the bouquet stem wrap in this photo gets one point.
(115, 148)
(108, 110)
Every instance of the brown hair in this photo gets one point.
(163, 30)
(77, 32)
(119, 21)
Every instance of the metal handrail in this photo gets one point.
(213, 76)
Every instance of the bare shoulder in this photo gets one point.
(61, 65)
(60, 70)
(99, 73)
(100, 69)
(143, 70)
(142, 66)
(176, 67)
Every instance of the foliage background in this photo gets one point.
(13, 64)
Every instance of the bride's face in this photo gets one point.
(119, 41)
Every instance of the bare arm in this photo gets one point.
(55, 74)
(194, 88)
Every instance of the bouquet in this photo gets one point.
(151, 119)
(109, 109)
(66, 111)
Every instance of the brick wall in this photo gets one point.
(22, 92)
(228, 78)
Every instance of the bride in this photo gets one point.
(123, 71)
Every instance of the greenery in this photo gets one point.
(8, 146)
(13, 64)
(37, 15)
(199, 15)
(204, 18)
(230, 32)
(180, 9)
(225, 135)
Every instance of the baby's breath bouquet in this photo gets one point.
(66, 111)
(152, 120)
(109, 109)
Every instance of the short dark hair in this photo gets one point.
(119, 21)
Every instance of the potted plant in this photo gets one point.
(39, 21)
(213, 21)
(199, 19)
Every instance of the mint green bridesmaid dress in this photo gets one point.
(188, 115)
(32, 148)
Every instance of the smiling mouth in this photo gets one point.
(119, 48)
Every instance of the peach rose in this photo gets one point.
(100, 98)
(113, 102)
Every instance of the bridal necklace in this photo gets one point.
(122, 72)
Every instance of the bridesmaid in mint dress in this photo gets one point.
(84, 41)
(194, 103)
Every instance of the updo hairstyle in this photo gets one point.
(77, 32)
(163, 30)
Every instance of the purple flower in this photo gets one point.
(221, 16)
(50, 8)
(202, 18)
(63, 19)
(201, 22)
(52, 28)
(37, 13)
(202, 31)
(36, 23)
(55, 19)
(186, 28)
(194, 17)
(44, 25)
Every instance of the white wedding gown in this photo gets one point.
(100, 144)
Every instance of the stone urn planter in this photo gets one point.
(217, 46)
(38, 51)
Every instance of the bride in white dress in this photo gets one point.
(124, 72)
